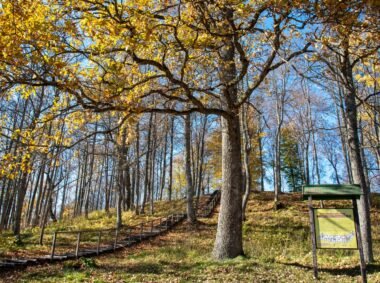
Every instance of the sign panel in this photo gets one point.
(335, 228)
(331, 192)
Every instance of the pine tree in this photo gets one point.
(291, 161)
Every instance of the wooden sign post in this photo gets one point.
(334, 228)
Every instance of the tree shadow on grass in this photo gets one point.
(133, 268)
(167, 267)
(347, 271)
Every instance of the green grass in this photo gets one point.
(276, 243)
(30, 247)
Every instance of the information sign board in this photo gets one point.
(335, 228)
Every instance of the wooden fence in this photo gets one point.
(91, 242)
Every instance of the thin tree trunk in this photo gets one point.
(262, 169)
(246, 152)
(171, 160)
(191, 216)
(163, 170)
(200, 188)
(147, 171)
(137, 168)
(152, 166)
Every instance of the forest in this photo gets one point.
(117, 111)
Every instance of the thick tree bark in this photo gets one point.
(229, 242)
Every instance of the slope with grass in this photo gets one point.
(277, 246)
(30, 247)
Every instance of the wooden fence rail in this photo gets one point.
(123, 236)
(92, 242)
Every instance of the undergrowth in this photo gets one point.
(276, 243)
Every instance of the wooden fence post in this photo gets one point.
(313, 240)
(129, 231)
(98, 244)
(53, 245)
(141, 230)
(77, 247)
(116, 235)
(363, 269)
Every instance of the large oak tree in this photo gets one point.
(174, 57)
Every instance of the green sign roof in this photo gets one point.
(333, 192)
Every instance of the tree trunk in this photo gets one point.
(246, 152)
(262, 168)
(137, 186)
(191, 216)
(280, 97)
(147, 163)
(229, 242)
(277, 166)
(152, 167)
(163, 168)
(171, 161)
(200, 189)
(341, 118)
(20, 201)
(358, 176)
(121, 164)
(89, 181)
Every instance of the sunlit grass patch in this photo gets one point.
(276, 243)
(29, 245)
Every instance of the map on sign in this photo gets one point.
(335, 228)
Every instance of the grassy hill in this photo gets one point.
(277, 246)
(96, 220)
